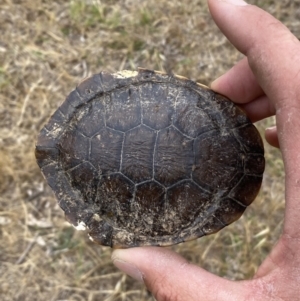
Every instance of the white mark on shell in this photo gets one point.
(81, 226)
(125, 74)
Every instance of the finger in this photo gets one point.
(271, 136)
(273, 56)
(170, 277)
(272, 51)
(239, 83)
(259, 109)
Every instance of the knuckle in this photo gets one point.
(162, 291)
(163, 294)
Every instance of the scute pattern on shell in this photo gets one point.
(147, 158)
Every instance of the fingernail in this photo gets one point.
(236, 2)
(271, 128)
(129, 269)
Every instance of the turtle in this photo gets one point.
(139, 158)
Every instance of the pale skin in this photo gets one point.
(265, 82)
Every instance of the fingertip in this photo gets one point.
(147, 262)
(129, 269)
(233, 2)
(227, 85)
(146, 256)
(121, 259)
(124, 255)
(272, 137)
(223, 85)
(215, 85)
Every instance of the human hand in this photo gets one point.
(266, 82)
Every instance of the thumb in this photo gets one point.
(170, 277)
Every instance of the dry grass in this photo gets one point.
(46, 47)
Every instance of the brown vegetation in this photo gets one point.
(46, 47)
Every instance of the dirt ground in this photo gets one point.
(46, 47)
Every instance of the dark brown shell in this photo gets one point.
(146, 158)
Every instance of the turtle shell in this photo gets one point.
(146, 158)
